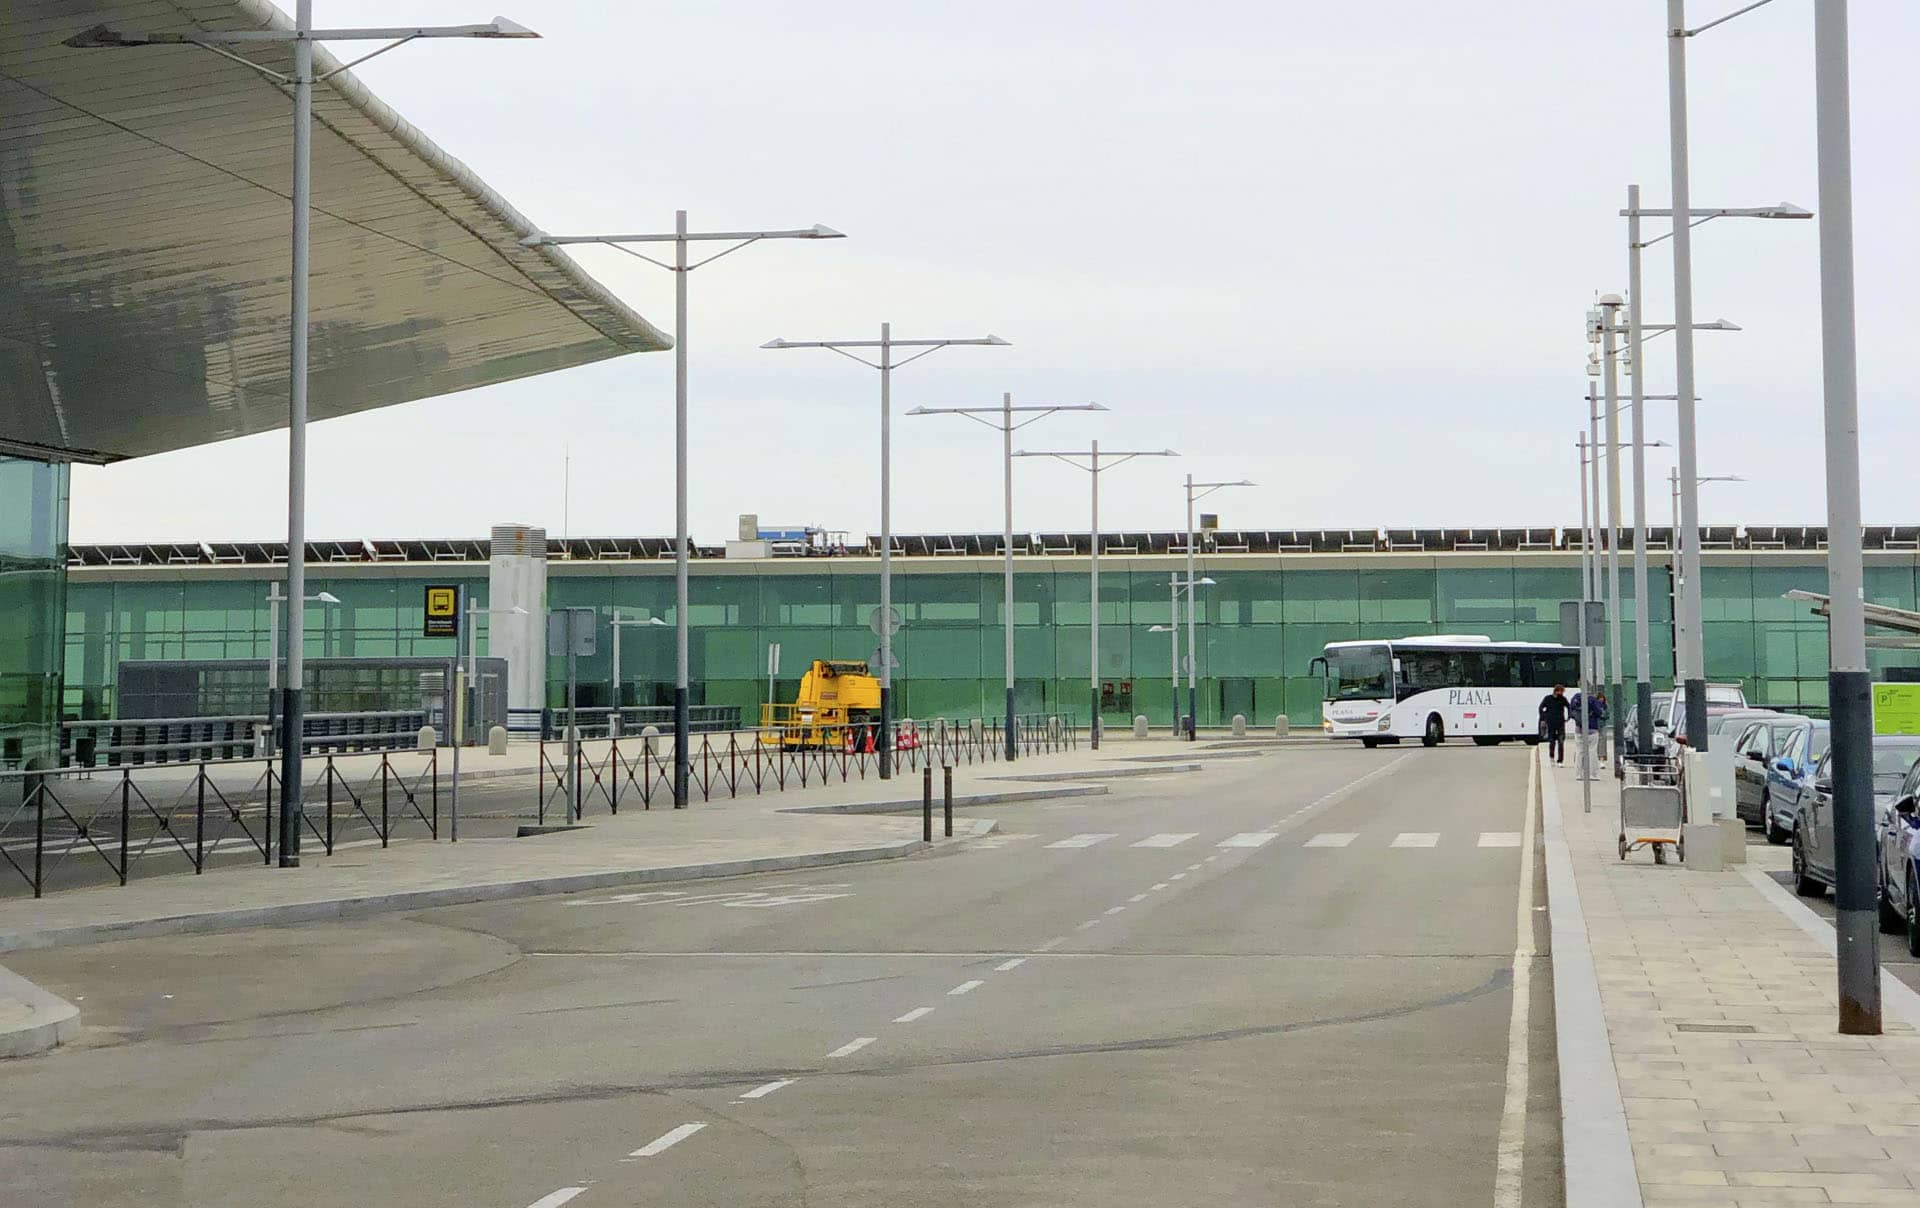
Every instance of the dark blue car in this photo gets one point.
(1790, 777)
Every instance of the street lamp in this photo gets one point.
(1173, 595)
(886, 365)
(1684, 671)
(274, 599)
(618, 625)
(1196, 490)
(302, 37)
(1094, 469)
(1685, 217)
(1006, 427)
(682, 547)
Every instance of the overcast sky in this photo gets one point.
(1343, 250)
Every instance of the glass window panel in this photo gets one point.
(1479, 600)
(1322, 596)
(1397, 597)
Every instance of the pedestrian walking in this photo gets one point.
(1553, 722)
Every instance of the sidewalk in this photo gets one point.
(1719, 1010)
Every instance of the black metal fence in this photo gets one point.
(143, 740)
(56, 828)
(607, 773)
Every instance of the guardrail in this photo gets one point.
(56, 820)
(597, 722)
(757, 760)
(145, 740)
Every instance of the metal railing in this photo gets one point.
(597, 722)
(57, 822)
(145, 740)
(755, 760)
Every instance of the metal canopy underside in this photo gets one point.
(144, 245)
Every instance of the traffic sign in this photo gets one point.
(891, 619)
(1896, 708)
(443, 611)
(572, 631)
(877, 661)
(1570, 622)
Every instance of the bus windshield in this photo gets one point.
(1359, 673)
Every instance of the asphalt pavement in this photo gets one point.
(1281, 980)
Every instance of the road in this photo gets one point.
(1281, 980)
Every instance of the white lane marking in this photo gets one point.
(1210, 859)
(1156, 887)
(1168, 839)
(1499, 838)
(667, 1140)
(1085, 839)
(853, 1046)
(1051, 944)
(767, 1088)
(552, 1199)
(965, 987)
(1415, 839)
(1089, 923)
(1179, 876)
(1115, 909)
(1193, 867)
(1511, 1154)
(916, 1013)
(1138, 897)
(1009, 966)
(1248, 839)
(1331, 839)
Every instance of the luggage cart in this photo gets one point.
(1652, 807)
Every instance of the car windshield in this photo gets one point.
(1891, 761)
(1359, 673)
(1725, 694)
(1817, 742)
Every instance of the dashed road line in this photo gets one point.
(1084, 839)
(916, 1013)
(1051, 944)
(1138, 897)
(1168, 839)
(853, 1046)
(1179, 876)
(1415, 839)
(1009, 966)
(767, 1088)
(1156, 887)
(1089, 923)
(1331, 839)
(965, 987)
(1499, 838)
(658, 1145)
(554, 1199)
(1248, 839)
(1113, 910)
(1193, 867)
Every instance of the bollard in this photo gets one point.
(949, 803)
(649, 735)
(613, 724)
(1239, 725)
(427, 739)
(926, 804)
(1139, 725)
(262, 742)
(1280, 725)
(497, 741)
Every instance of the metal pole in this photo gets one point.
(1696, 687)
(273, 663)
(1849, 688)
(291, 703)
(1642, 640)
(1173, 631)
(573, 719)
(1593, 533)
(1006, 442)
(1612, 370)
(1193, 606)
(616, 667)
(1676, 572)
(886, 551)
(457, 707)
(1586, 592)
(1093, 591)
(683, 551)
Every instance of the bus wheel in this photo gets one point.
(1435, 735)
(1369, 743)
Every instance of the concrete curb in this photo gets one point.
(1100, 774)
(39, 1021)
(972, 799)
(1596, 1150)
(421, 899)
(1896, 997)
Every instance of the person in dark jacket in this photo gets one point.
(1553, 722)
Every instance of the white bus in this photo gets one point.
(1433, 688)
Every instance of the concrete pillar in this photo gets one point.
(1239, 725)
(427, 739)
(651, 736)
(1281, 726)
(1733, 836)
(497, 741)
(517, 577)
(1139, 725)
(1704, 846)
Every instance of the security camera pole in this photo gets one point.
(682, 546)
(886, 365)
(228, 44)
(1006, 427)
(1094, 469)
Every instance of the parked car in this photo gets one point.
(1893, 759)
(1758, 742)
(1899, 870)
(1790, 776)
(1631, 723)
(1671, 723)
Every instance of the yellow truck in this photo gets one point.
(838, 709)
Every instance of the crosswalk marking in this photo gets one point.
(1331, 839)
(1499, 838)
(1415, 839)
(1249, 839)
(1087, 839)
(1168, 839)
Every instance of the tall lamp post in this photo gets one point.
(886, 365)
(680, 237)
(620, 623)
(1006, 426)
(1684, 220)
(1093, 470)
(1682, 616)
(1849, 690)
(1196, 491)
(275, 598)
(1173, 593)
(227, 44)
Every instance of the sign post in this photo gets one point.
(1896, 708)
(572, 632)
(773, 669)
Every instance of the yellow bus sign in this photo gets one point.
(443, 612)
(1896, 708)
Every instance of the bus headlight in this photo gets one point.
(1386, 723)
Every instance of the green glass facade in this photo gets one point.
(1260, 624)
(33, 576)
